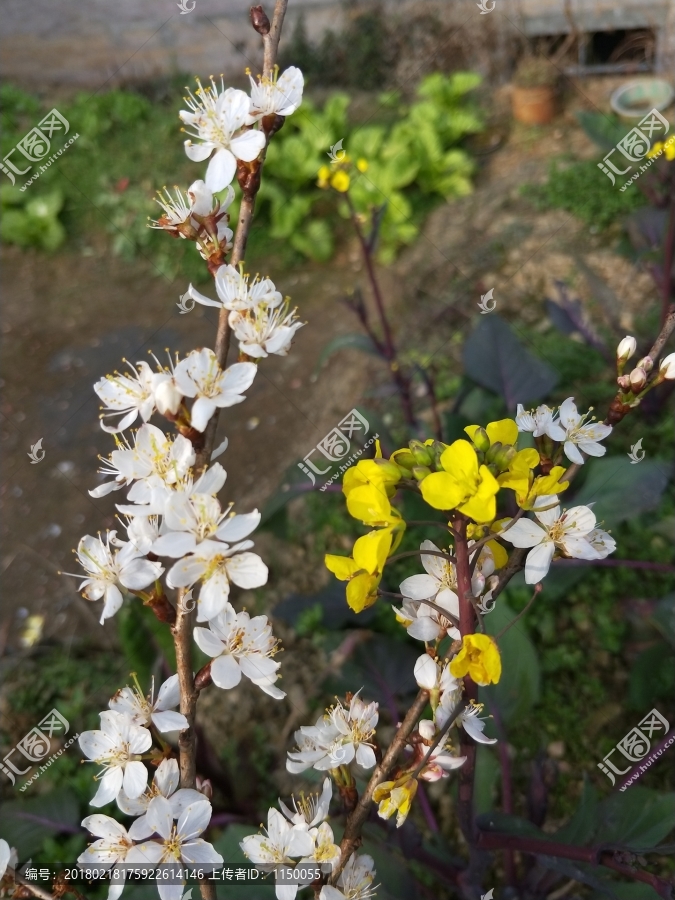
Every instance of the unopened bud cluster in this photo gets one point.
(634, 385)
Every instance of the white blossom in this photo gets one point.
(200, 376)
(127, 395)
(473, 725)
(8, 857)
(218, 119)
(338, 738)
(441, 761)
(540, 421)
(667, 367)
(265, 330)
(164, 783)
(626, 349)
(239, 644)
(140, 710)
(581, 437)
(439, 585)
(116, 747)
(355, 881)
(216, 565)
(114, 846)
(277, 846)
(602, 542)
(311, 809)
(279, 97)
(236, 293)
(182, 208)
(153, 453)
(178, 842)
(107, 569)
(565, 531)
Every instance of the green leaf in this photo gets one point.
(315, 240)
(663, 617)
(346, 342)
(632, 891)
(610, 482)
(605, 131)
(580, 828)
(393, 875)
(503, 822)
(497, 360)
(637, 819)
(652, 676)
(519, 687)
(488, 774)
(25, 824)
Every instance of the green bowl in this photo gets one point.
(634, 100)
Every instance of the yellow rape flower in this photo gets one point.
(479, 659)
(362, 164)
(364, 569)
(520, 478)
(395, 797)
(505, 431)
(324, 175)
(463, 485)
(340, 181)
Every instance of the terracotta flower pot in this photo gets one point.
(533, 105)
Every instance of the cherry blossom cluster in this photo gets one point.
(168, 819)
(179, 536)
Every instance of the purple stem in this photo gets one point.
(225, 819)
(425, 806)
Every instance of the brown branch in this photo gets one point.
(666, 330)
(35, 889)
(182, 630)
(357, 819)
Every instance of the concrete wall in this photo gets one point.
(99, 42)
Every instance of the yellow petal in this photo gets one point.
(482, 507)
(471, 430)
(505, 430)
(441, 491)
(461, 462)
(343, 567)
(362, 591)
(371, 550)
(499, 554)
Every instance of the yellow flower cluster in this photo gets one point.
(479, 659)
(337, 175)
(465, 476)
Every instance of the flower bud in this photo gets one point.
(638, 379)
(646, 363)
(167, 397)
(403, 459)
(204, 787)
(390, 470)
(422, 455)
(259, 20)
(626, 349)
(494, 450)
(667, 367)
(481, 441)
(421, 472)
(503, 459)
(624, 383)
